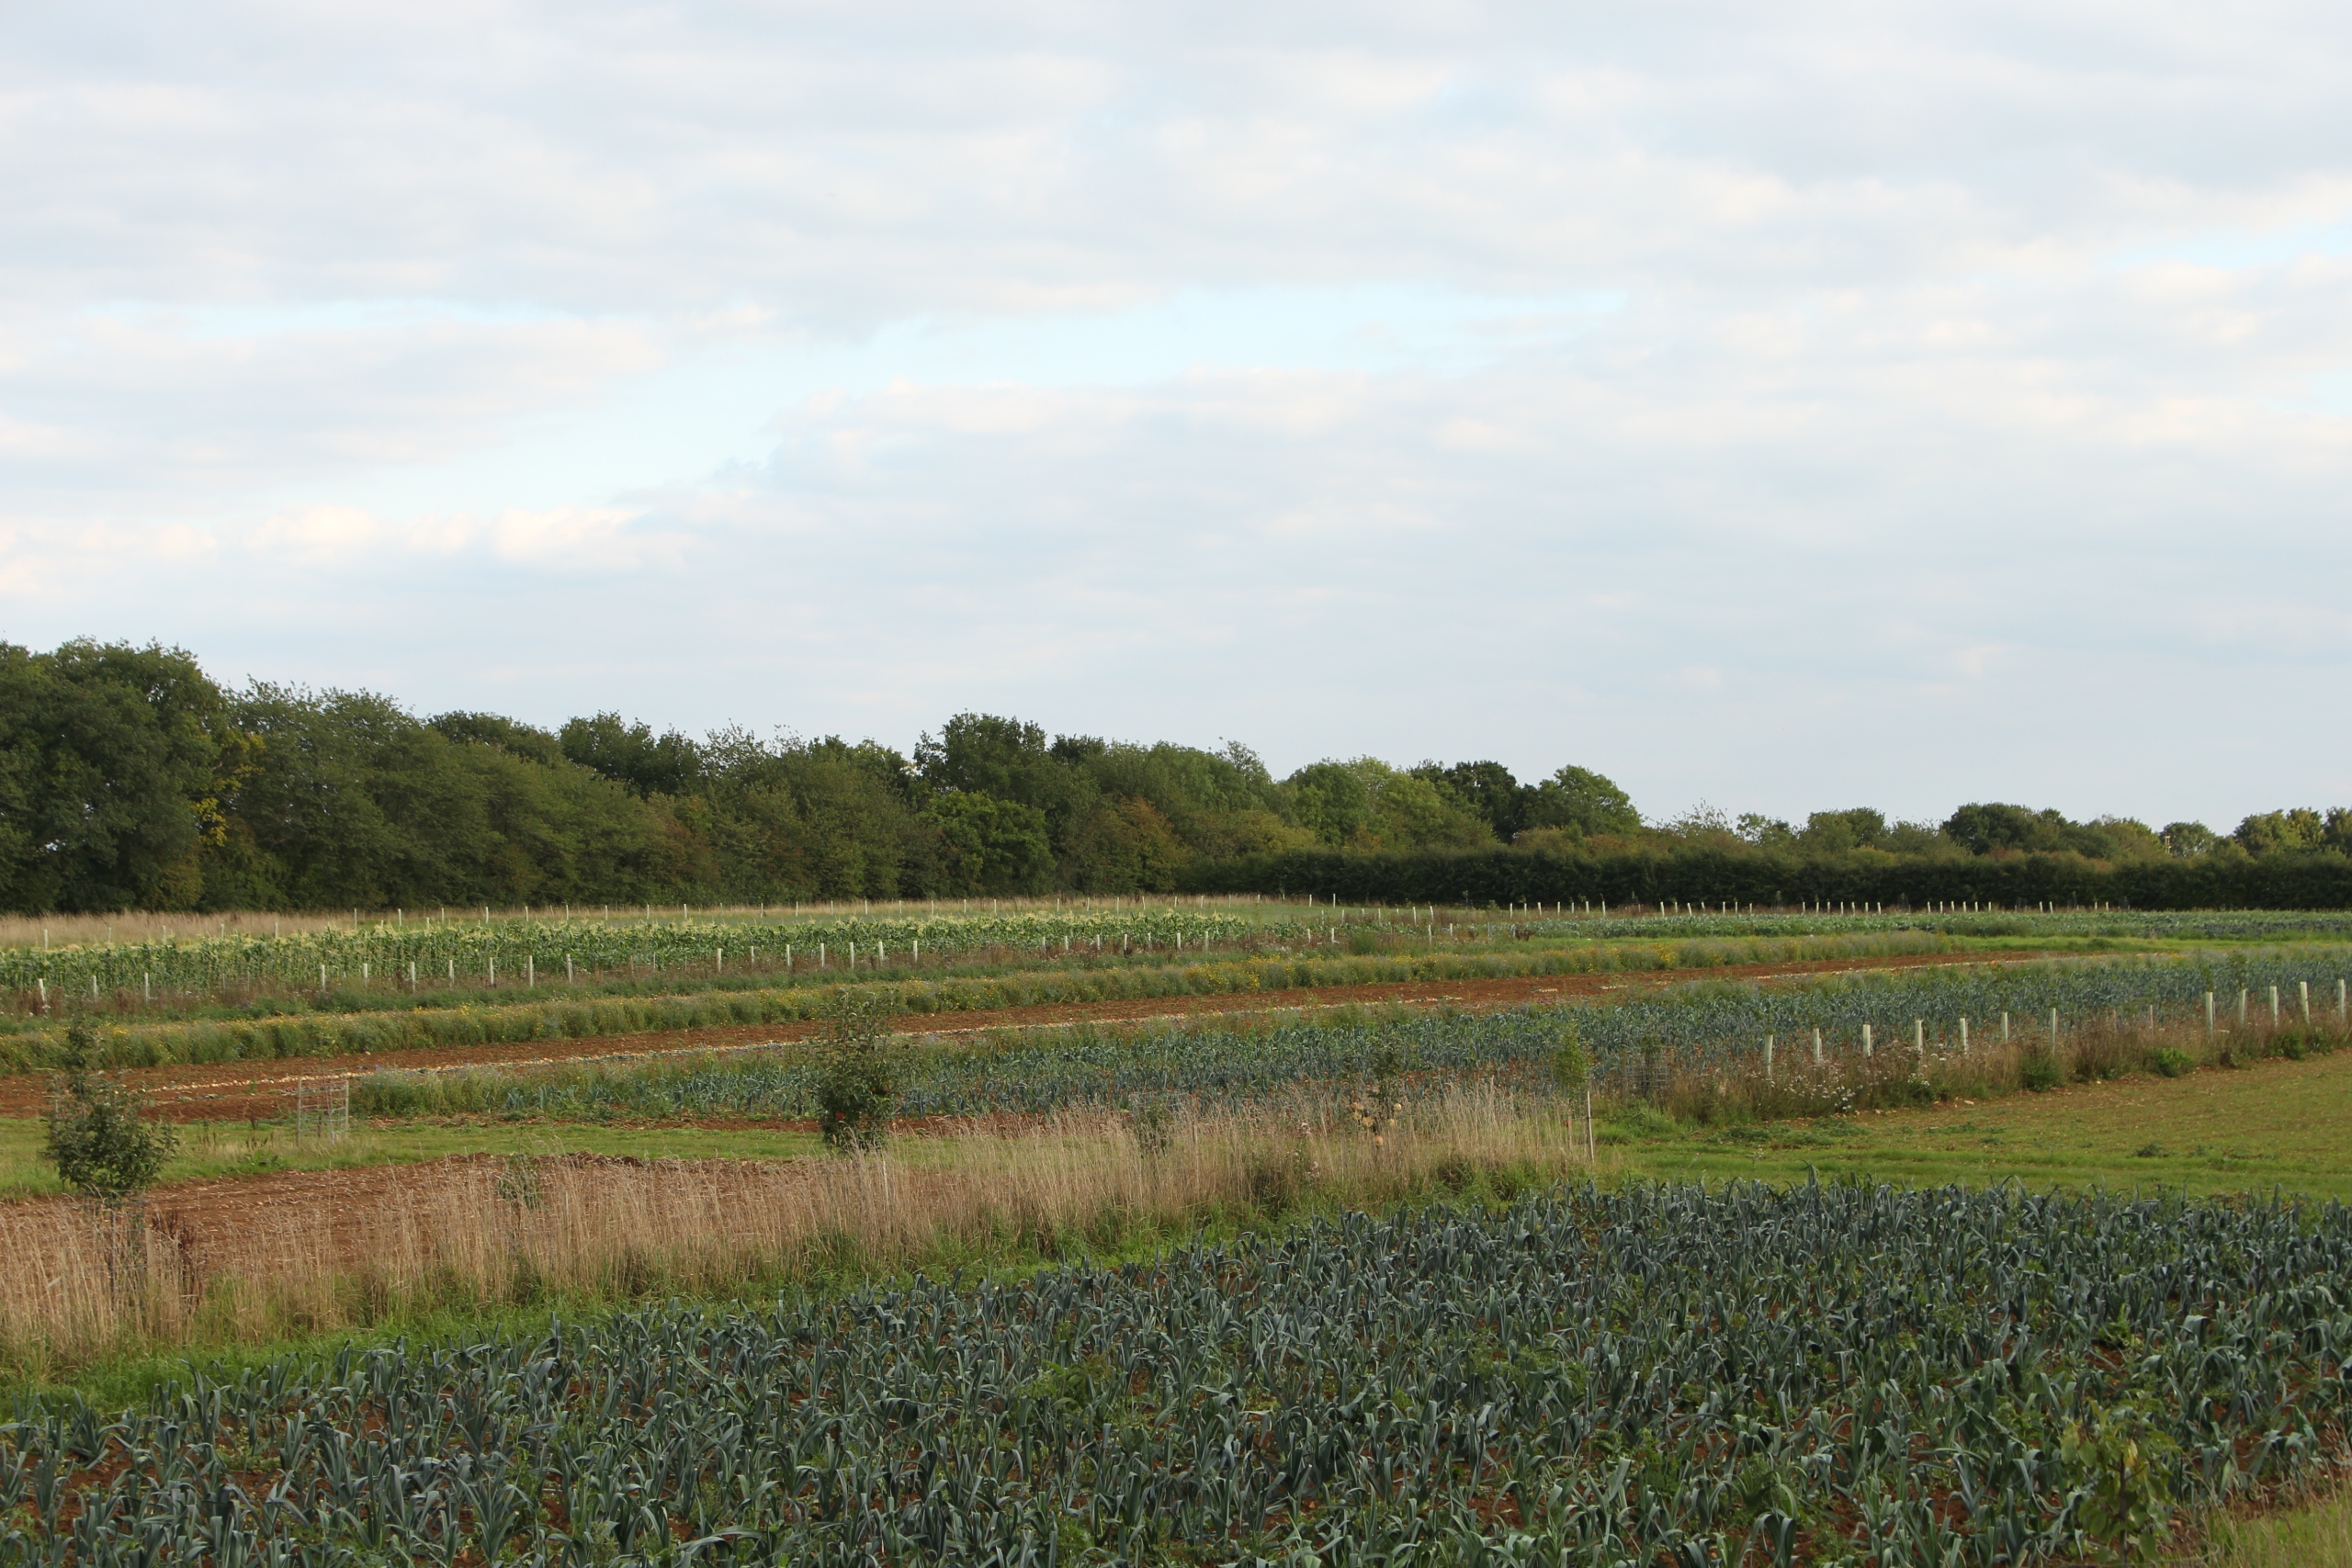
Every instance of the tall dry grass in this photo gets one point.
(143, 925)
(1899, 1075)
(483, 1233)
(2314, 1533)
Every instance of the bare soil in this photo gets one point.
(213, 1223)
(238, 1092)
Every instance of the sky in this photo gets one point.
(1785, 408)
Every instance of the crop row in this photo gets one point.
(441, 951)
(517, 950)
(1696, 1027)
(1742, 1376)
(348, 1022)
(2162, 925)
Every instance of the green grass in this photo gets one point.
(2274, 1124)
(2318, 1535)
(215, 1150)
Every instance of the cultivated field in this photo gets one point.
(1367, 1237)
(1648, 1374)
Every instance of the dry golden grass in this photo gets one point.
(2316, 1535)
(134, 926)
(483, 1232)
(1899, 1075)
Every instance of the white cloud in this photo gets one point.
(1790, 406)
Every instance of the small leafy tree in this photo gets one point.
(1572, 1070)
(101, 1144)
(2124, 1465)
(1379, 1108)
(853, 1076)
(1152, 1122)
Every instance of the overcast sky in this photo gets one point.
(1789, 407)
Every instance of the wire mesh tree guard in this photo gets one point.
(323, 1110)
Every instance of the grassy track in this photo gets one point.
(2274, 1124)
(216, 1151)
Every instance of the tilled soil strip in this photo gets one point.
(247, 1090)
(214, 1223)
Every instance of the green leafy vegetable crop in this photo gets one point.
(1700, 1026)
(1663, 1374)
(511, 949)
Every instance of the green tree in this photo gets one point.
(1414, 814)
(1982, 829)
(1333, 801)
(2287, 832)
(558, 832)
(1917, 839)
(352, 802)
(991, 845)
(1367, 805)
(29, 868)
(1125, 845)
(96, 1135)
(111, 764)
(978, 753)
(1487, 790)
(2114, 837)
(500, 734)
(866, 834)
(1995, 828)
(1703, 824)
(1571, 1067)
(1582, 802)
(1836, 832)
(817, 818)
(854, 1087)
(1218, 803)
(632, 754)
(2188, 841)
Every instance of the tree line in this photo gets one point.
(130, 779)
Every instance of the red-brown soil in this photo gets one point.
(245, 1090)
(214, 1225)
(209, 1220)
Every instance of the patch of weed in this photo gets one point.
(1636, 1124)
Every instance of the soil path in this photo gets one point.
(244, 1091)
